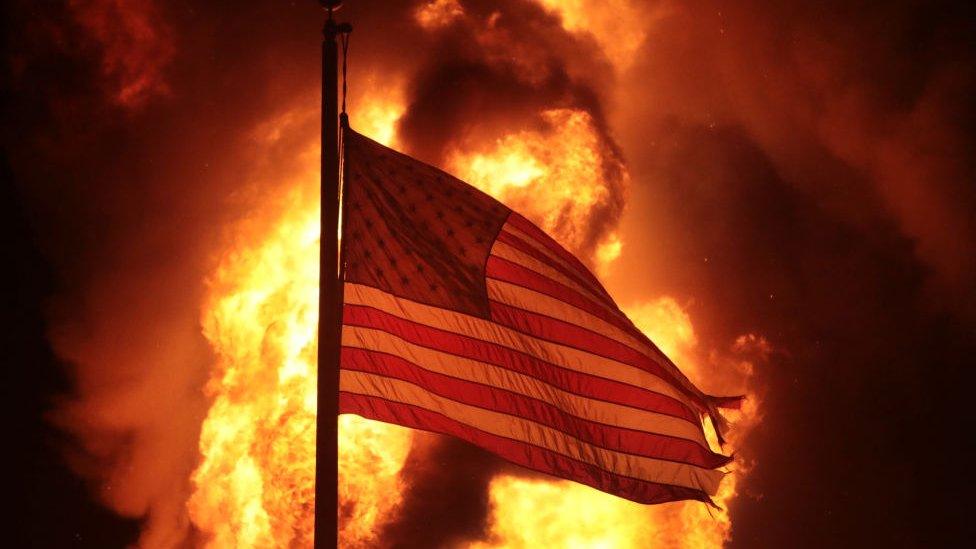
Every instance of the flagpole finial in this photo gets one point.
(332, 28)
(331, 5)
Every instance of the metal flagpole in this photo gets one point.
(330, 296)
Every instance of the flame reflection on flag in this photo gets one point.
(254, 485)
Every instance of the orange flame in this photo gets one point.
(437, 13)
(255, 484)
(554, 175)
(619, 27)
(379, 108)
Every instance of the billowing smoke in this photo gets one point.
(863, 112)
(802, 172)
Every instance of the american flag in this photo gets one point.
(461, 317)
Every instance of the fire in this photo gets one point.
(437, 13)
(617, 26)
(607, 252)
(530, 512)
(255, 484)
(258, 439)
(546, 513)
(556, 175)
(379, 108)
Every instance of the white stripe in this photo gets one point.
(542, 247)
(504, 251)
(537, 302)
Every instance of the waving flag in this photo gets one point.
(461, 317)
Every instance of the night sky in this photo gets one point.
(806, 172)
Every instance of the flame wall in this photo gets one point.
(779, 196)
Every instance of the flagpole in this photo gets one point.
(330, 316)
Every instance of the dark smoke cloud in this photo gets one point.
(134, 45)
(818, 155)
(433, 465)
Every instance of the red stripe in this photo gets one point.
(580, 384)
(520, 453)
(501, 269)
(508, 271)
(571, 335)
(541, 237)
(610, 437)
(528, 228)
(522, 246)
